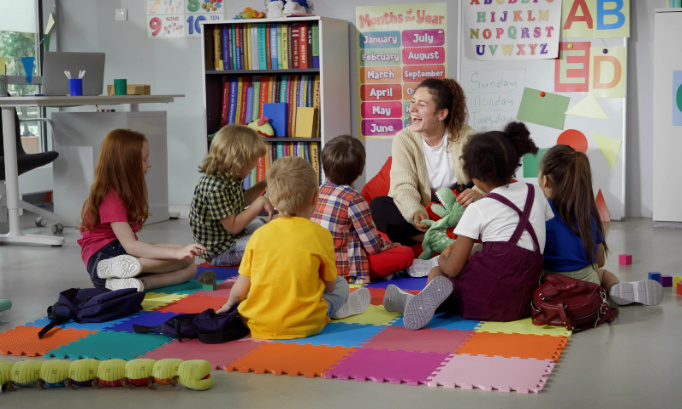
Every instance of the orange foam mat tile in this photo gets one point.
(23, 340)
(291, 359)
(524, 346)
(194, 304)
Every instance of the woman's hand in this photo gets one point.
(468, 196)
(417, 220)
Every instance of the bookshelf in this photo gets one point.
(315, 74)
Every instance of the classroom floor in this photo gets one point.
(633, 363)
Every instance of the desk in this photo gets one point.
(8, 104)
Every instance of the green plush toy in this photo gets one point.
(436, 238)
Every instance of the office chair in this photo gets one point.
(25, 163)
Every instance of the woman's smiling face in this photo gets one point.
(426, 119)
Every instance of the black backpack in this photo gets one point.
(209, 327)
(92, 305)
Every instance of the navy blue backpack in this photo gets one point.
(92, 305)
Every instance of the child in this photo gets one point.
(288, 270)
(362, 255)
(579, 251)
(217, 215)
(498, 282)
(114, 212)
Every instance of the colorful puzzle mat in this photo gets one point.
(449, 351)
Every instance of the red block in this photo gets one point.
(679, 288)
(625, 259)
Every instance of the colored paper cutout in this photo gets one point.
(677, 98)
(28, 68)
(612, 19)
(531, 163)
(50, 24)
(46, 42)
(588, 107)
(573, 138)
(608, 72)
(577, 19)
(601, 207)
(609, 148)
(572, 68)
(548, 110)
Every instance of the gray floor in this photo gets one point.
(634, 363)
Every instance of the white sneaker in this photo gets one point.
(647, 292)
(123, 266)
(121, 283)
(421, 268)
(395, 299)
(358, 302)
(420, 309)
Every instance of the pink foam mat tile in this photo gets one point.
(219, 355)
(424, 340)
(396, 367)
(493, 373)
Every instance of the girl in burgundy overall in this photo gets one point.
(497, 283)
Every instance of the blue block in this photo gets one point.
(654, 276)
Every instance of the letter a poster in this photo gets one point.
(398, 47)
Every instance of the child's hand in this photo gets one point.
(224, 308)
(267, 206)
(468, 196)
(190, 250)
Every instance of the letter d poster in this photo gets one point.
(398, 47)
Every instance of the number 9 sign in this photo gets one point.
(156, 25)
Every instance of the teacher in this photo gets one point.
(426, 157)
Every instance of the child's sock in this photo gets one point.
(647, 292)
(395, 299)
(421, 268)
(123, 266)
(121, 283)
(420, 309)
(358, 302)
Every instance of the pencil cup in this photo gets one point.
(75, 87)
(121, 87)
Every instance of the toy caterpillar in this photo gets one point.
(193, 374)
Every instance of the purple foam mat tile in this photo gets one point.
(493, 373)
(425, 340)
(148, 319)
(221, 273)
(218, 355)
(406, 283)
(446, 321)
(91, 326)
(339, 334)
(109, 345)
(412, 368)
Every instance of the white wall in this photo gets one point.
(174, 67)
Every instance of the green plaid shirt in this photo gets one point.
(215, 197)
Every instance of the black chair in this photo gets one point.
(25, 163)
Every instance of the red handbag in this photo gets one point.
(575, 304)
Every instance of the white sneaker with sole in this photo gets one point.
(420, 309)
(123, 266)
(395, 299)
(357, 303)
(121, 283)
(421, 268)
(647, 292)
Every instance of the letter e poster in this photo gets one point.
(398, 47)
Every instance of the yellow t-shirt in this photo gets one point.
(287, 259)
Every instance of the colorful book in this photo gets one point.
(255, 111)
(262, 47)
(238, 104)
(264, 86)
(255, 53)
(217, 48)
(306, 151)
(303, 45)
(278, 43)
(209, 52)
(309, 45)
(315, 158)
(246, 182)
(291, 99)
(284, 84)
(248, 111)
(316, 102)
(260, 168)
(280, 150)
(232, 110)
(268, 52)
(246, 83)
(253, 176)
(233, 45)
(225, 108)
(276, 89)
(309, 86)
(273, 48)
(306, 122)
(315, 46)
(225, 40)
(285, 41)
(277, 113)
(242, 51)
(238, 47)
(273, 152)
(294, 44)
(246, 46)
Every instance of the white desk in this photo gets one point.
(8, 104)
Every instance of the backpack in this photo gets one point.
(92, 305)
(207, 326)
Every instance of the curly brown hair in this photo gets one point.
(494, 156)
(448, 94)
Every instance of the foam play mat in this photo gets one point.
(449, 352)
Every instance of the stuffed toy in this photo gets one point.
(249, 13)
(296, 7)
(263, 127)
(274, 8)
(436, 238)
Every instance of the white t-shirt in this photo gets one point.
(438, 165)
(491, 220)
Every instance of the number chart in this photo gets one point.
(168, 19)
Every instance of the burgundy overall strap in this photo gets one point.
(523, 216)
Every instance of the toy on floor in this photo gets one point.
(207, 280)
(5, 305)
(249, 13)
(263, 127)
(436, 238)
(193, 374)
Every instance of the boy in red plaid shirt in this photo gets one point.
(362, 255)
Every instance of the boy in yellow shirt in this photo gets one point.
(288, 270)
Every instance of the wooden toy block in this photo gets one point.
(654, 276)
(666, 281)
(132, 89)
(625, 259)
(679, 288)
(676, 280)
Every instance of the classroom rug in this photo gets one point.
(450, 351)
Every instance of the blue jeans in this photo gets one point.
(111, 250)
(234, 254)
(338, 297)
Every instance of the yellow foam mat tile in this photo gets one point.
(524, 326)
(154, 301)
(375, 315)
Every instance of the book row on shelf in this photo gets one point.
(291, 102)
(309, 151)
(265, 46)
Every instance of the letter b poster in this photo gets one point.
(398, 47)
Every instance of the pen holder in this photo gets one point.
(121, 87)
(75, 87)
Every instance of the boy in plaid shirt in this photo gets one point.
(362, 255)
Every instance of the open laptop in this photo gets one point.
(55, 81)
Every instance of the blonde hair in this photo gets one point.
(292, 184)
(233, 148)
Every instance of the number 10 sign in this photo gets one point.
(180, 18)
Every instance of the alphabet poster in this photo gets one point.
(576, 98)
(398, 47)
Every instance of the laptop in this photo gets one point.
(55, 81)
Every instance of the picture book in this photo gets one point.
(277, 112)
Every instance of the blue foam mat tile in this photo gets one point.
(92, 326)
(406, 283)
(339, 334)
(148, 319)
(221, 273)
(110, 345)
(446, 321)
